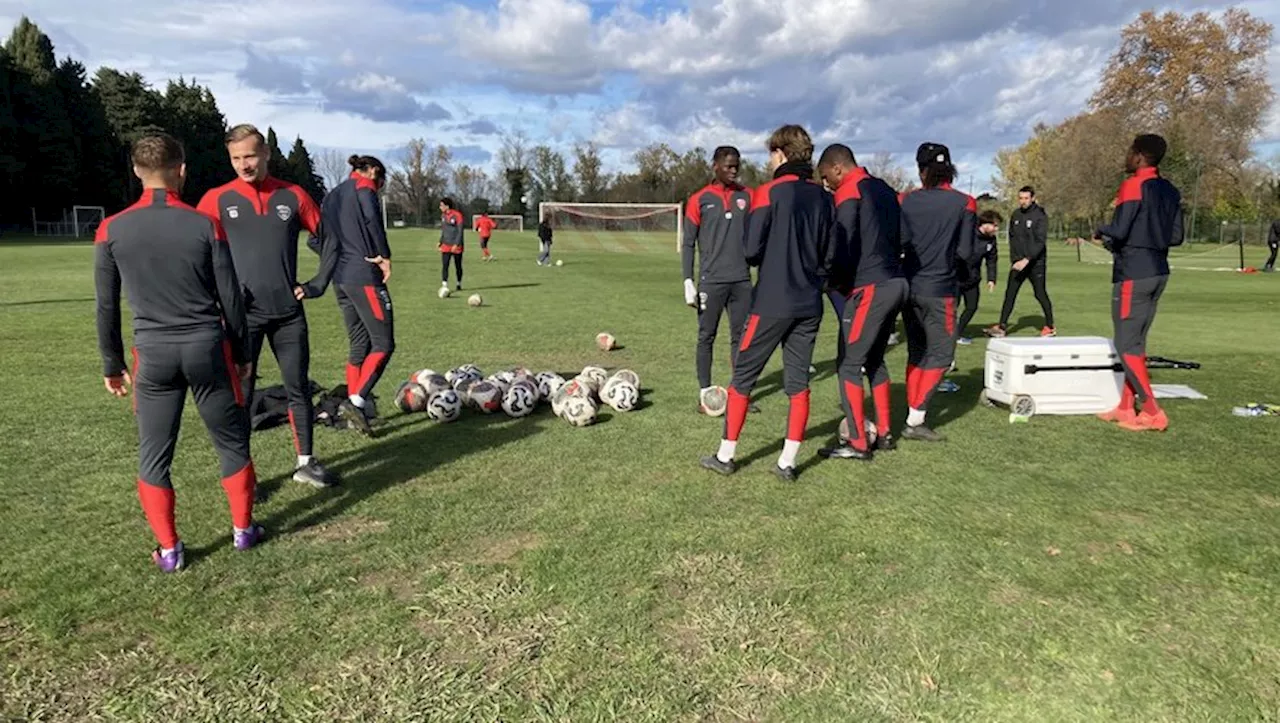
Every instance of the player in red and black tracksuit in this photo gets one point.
(358, 259)
(1146, 224)
(939, 233)
(1029, 261)
(970, 276)
(484, 229)
(451, 231)
(866, 272)
(715, 228)
(262, 217)
(189, 333)
(789, 239)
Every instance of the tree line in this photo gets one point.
(1198, 80)
(65, 137)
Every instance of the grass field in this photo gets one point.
(495, 569)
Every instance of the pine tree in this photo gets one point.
(304, 171)
(279, 163)
(96, 180)
(46, 136)
(191, 114)
(132, 109)
(11, 164)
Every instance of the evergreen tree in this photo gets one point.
(132, 109)
(279, 164)
(11, 164)
(46, 137)
(96, 180)
(304, 172)
(191, 114)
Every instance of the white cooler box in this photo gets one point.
(1055, 375)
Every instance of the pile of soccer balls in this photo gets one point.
(517, 393)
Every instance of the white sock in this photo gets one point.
(357, 400)
(915, 417)
(241, 531)
(167, 550)
(304, 460)
(790, 448)
(727, 449)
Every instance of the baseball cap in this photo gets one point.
(929, 152)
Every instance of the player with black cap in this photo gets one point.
(939, 234)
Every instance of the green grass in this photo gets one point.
(494, 569)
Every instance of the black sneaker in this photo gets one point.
(355, 418)
(313, 473)
(845, 451)
(714, 464)
(885, 443)
(786, 474)
(921, 433)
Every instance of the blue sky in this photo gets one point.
(879, 75)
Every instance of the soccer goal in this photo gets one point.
(80, 221)
(615, 226)
(505, 221)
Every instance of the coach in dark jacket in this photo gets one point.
(1028, 252)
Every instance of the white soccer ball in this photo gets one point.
(714, 401)
(411, 397)
(443, 292)
(559, 262)
(580, 411)
(444, 407)
(519, 401)
(474, 301)
(485, 397)
(572, 389)
(620, 394)
(628, 375)
(434, 384)
(549, 383)
(606, 341)
(597, 375)
(421, 376)
(530, 384)
(472, 370)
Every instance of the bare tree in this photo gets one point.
(515, 151)
(422, 177)
(883, 165)
(332, 166)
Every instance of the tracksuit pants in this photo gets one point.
(1035, 273)
(290, 343)
(931, 345)
(762, 336)
(484, 246)
(969, 295)
(1133, 309)
(868, 318)
(713, 300)
(366, 310)
(444, 267)
(163, 372)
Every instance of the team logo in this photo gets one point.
(1028, 223)
(386, 299)
(284, 212)
(702, 300)
(233, 212)
(742, 204)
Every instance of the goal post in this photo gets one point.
(639, 221)
(505, 221)
(79, 221)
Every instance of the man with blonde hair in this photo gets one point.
(788, 239)
(263, 216)
(189, 332)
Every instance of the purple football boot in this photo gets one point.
(171, 562)
(249, 538)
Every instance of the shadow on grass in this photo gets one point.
(47, 301)
(1026, 322)
(503, 286)
(408, 447)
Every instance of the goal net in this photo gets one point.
(506, 222)
(615, 226)
(80, 221)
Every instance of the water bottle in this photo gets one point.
(1252, 410)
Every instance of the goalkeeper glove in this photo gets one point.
(690, 293)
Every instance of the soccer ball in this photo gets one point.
(713, 401)
(506, 377)
(620, 394)
(588, 384)
(474, 300)
(605, 341)
(531, 385)
(434, 384)
(497, 381)
(445, 406)
(462, 384)
(559, 262)
(580, 411)
(443, 292)
(519, 401)
(472, 371)
(422, 375)
(485, 397)
(411, 397)
(627, 375)
(870, 427)
(572, 389)
(597, 375)
(549, 383)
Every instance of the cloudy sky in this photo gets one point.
(881, 75)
